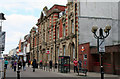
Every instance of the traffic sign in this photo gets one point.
(101, 45)
(2, 41)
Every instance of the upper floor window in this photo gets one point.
(64, 50)
(51, 20)
(85, 56)
(58, 32)
(48, 36)
(73, 50)
(58, 52)
(41, 28)
(72, 24)
(48, 23)
(63, 29)
(52, 32)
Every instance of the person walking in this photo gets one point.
(50, 65)
(29, 63)
(24, 64)
(40, 64)
(80, 64)
(19, 64)
(34, 65)
(75, 65)
(12, 64)
(15, 63)
(6, 63)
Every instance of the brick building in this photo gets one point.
(60, 24)
(91, 59)
(33, 43)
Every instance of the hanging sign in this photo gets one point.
(47, 51)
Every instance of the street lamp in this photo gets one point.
(1, 20)
(55, 46)
(100, 43)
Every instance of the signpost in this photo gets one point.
(101, 45)
(2, 41)
(47, 51)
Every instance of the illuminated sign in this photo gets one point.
(82, 49)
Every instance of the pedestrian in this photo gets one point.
(40, 64)
(80, 64)
(24, 64)
(29, 63)
(21, 61)
(37, 65)
(34, 65)
(75, 65)
(56, 65)
(6, 63)
(50, 65)
(19, 64)
(12, 64)
(15, 63)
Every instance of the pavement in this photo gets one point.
(54, 73)
(89, 74)
(1, 68)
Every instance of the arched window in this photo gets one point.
(64, 29)
(64, 50)
(52, 32)
(58, 32)
(52, 53)
(72, 25)
(73, 46)
(58, 51)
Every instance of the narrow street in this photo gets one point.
(39, 73)
(30, 73)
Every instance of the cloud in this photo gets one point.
(16, 27)
(22, 6)
(21, 16)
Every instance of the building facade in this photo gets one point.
(57, 32)
(93, 14)
(32, 43)
(27, 47)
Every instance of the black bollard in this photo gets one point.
(4, 72)
(18, 74)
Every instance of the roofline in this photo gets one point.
(56, 5)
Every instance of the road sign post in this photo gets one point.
(102, 45)
(2, 41)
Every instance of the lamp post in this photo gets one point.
(55, 45)
(100, 43)
(1, 20)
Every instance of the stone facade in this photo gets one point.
(57, 32)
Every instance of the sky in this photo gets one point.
(21, 16)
